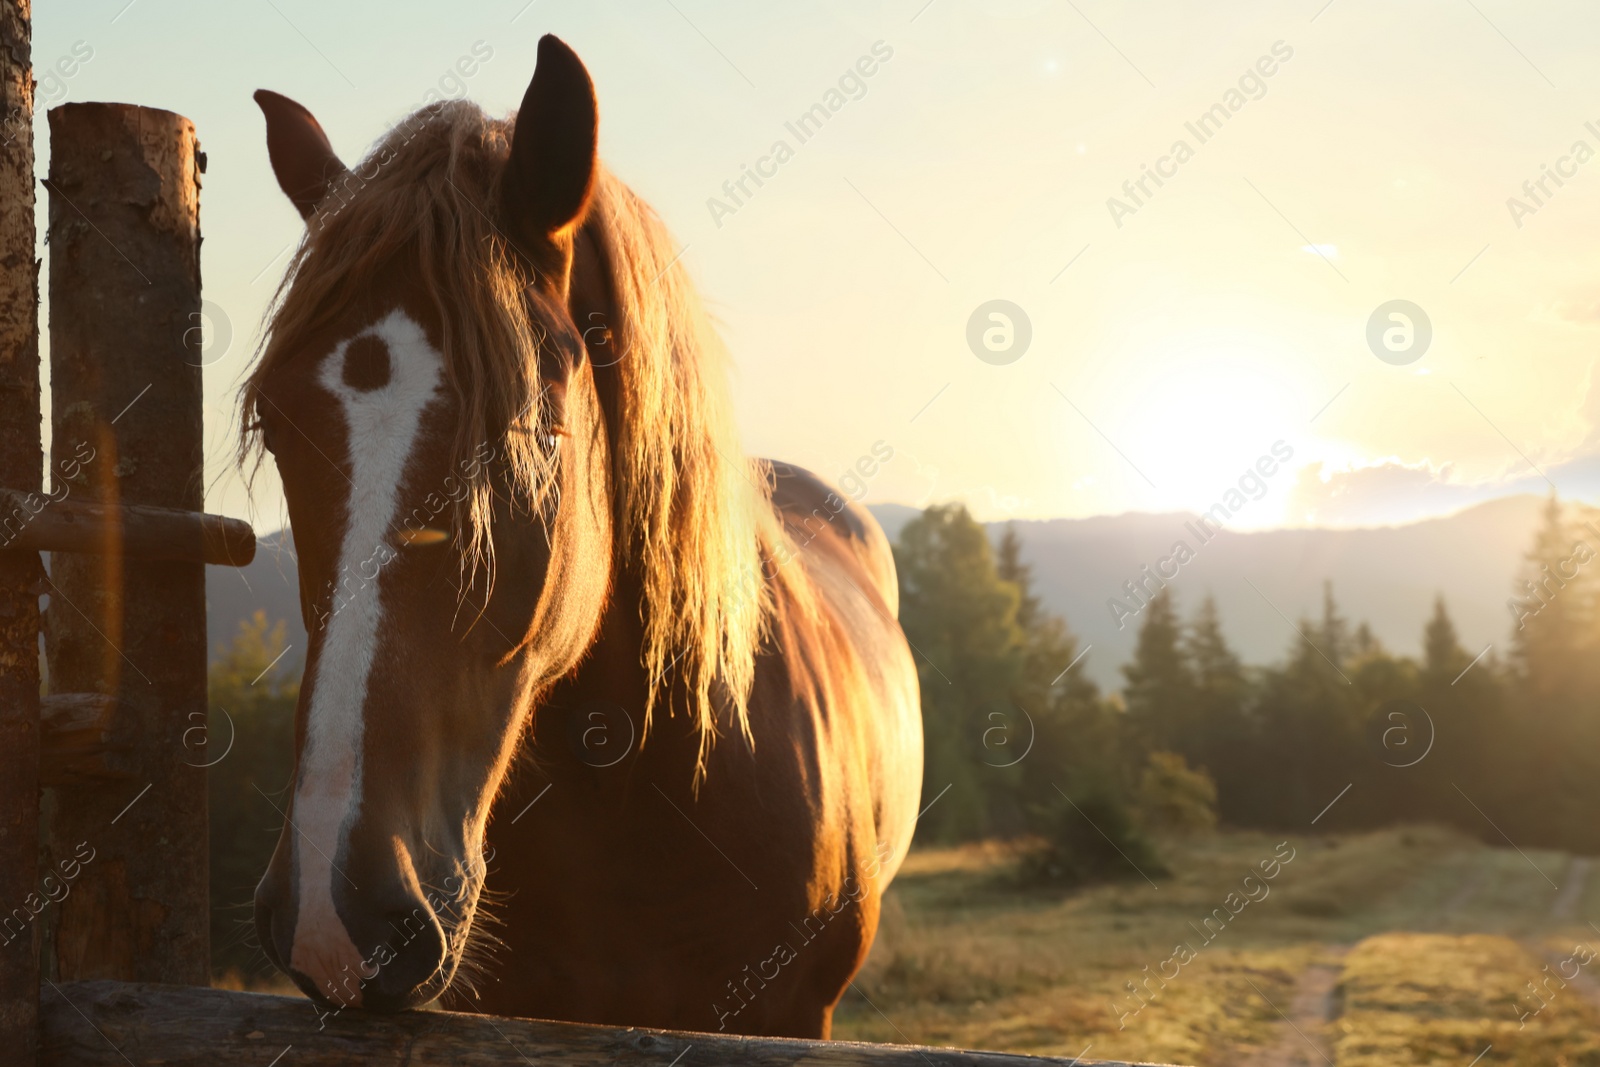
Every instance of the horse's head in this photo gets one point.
(427, 399)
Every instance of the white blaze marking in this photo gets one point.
(382, 427)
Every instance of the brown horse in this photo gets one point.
(541, 582)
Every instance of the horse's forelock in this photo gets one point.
(418, 211)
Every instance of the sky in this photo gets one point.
(1153, 343)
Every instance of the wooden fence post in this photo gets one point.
(126, 429)
(20, 573)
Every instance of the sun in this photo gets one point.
(1211, 411)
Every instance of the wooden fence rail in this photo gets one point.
(32, 521)
(112, 1024)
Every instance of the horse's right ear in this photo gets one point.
(302, 158)
(551, 172)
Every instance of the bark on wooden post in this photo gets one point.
(126, 429)
(20, 573)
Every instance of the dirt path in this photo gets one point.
(1470, 887)
(1566, 902)
(1562, 963)
(1303, 1038)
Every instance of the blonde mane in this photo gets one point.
(693, 516)
(691, 509)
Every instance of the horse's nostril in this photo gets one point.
(407, 960)
(402, 950)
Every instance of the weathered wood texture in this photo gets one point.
(21, 463)
(32, 521)
(111, 1024)
(84, 738)
(126, 429)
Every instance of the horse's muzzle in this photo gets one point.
(404, 958)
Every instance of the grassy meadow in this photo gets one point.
(1408, 946)
(1386, 949)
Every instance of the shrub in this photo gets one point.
(1092, 839)
(1173, 799)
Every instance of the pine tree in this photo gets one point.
(1459, 708)
(1226, 746)
(961, 618)
(1442, 654)
(1548, 608)
(1311, 721)
(1160, 688)
(1007, 725)
(1216, 668)
(1076, 734)
(1552, 651)
(1009, 565)
(1365, 644)
(1333, 641)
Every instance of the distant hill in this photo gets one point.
(270, 584)
(1385, 576)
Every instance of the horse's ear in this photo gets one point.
(551, 172)
(301, 156)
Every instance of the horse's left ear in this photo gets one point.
(551, 172)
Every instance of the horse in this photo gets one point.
(578, 670)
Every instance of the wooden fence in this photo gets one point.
(97, 1024)
(104, 953)
(103, 829)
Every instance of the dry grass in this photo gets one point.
(1436, 998)
(967, 959)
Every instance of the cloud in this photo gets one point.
(1578, 311)
(1388, 492)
